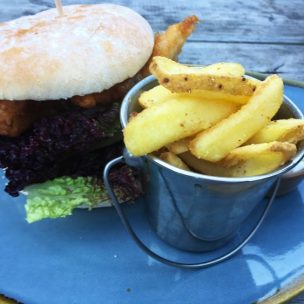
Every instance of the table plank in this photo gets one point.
(263, 21)
(288, 62)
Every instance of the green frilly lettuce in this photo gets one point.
(58, 197)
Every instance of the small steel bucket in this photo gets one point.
(192, 211)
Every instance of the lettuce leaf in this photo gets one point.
(58, 197)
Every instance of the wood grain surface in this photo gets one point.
(264, 35)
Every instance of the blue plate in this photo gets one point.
(89, 258)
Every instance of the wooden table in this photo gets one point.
(264, 35)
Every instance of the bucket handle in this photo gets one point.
(161, 259)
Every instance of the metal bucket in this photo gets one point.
(192, 211)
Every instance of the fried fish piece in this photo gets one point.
(14, 117)
(115, 93)
(169, 43)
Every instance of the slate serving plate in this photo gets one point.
(89, 258)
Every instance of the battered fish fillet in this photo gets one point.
(169, 43)
(115, 93)
(15, 116)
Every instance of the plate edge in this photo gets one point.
(293, 289)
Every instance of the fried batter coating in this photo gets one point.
(14, 117)
(168, 44)
(115, 93)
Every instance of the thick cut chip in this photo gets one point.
(155, 96)
(179, 146)
(248, 160)
(167, 65)
(288, 130)
(215, 143)
(160, 94)
(155, 127)
(173, 160)
(179, 78)
(221, 68)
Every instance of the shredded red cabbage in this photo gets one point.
(61, 145)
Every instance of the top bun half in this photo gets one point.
(89, 49)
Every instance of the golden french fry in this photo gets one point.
(160, 94)
(156, 95)
(288, 130)
(173, 160)
(179, 146)
(221, 68)
(179, 78)
(172, 120)
(215, 143)
(220, 95)
(248, 160)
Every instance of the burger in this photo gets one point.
(62, 78)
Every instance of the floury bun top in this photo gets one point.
(88, 49)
